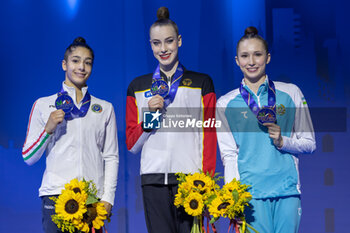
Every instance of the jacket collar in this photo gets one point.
(72, 93)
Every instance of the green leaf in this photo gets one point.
(91, 200)
(213, 220)
(235, 195)
(211, 198)
(248, 199)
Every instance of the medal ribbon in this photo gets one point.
(206, 214)
(235, 226)
(254, 107)
(174, 84)
(76, 112)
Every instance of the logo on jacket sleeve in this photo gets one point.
(148, 94)
(96, 108)
(303, 100)
(280, 109)
(151, 120)
(187, 82)
(244, 114)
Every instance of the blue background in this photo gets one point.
(309, 46)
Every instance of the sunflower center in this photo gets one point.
(194, 204)
(72, 206)
(223, 205)
(198, 182)
(77, 190)
(90, 214)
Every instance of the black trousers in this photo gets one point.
(48, 209)
(161, 214)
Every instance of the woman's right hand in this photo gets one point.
(156, 102)
(55, 118)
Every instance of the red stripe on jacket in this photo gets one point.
(36, 142)
(209, 142)
(133, 127)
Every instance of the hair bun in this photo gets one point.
(163, 13)
(251, 31)
(79, 40)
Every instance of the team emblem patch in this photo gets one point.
(280, 109)
(96, 108)
(187, 82)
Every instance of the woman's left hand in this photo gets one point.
(275, 134)
(108, 207)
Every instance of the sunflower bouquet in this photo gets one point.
(78, 208)
(195, 192)
(230, 202)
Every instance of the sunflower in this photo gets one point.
(200, 181)
(184, 187)
(81, 225)
(95, 215)
(194, 204)
(225, 194)
(219, 206)
(178, 199)
(76, 186)
(233, 185)
(70, 205)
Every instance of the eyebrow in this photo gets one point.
(76, 56)
(170, 37)
(256, 51)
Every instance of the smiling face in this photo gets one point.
(252, 59)
(165, 44)
(78, 67)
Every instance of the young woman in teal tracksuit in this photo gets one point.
(266, 124)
